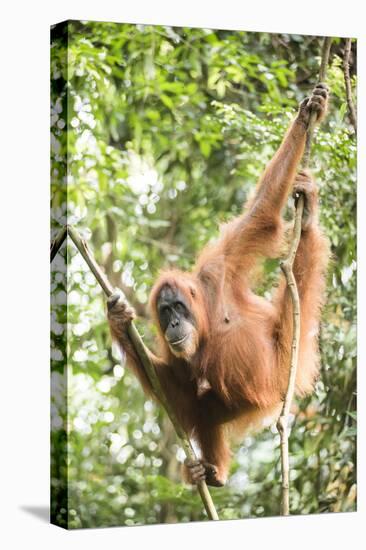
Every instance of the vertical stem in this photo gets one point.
(347, 81)
(322, 73)
(287, 268)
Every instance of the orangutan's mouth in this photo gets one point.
(179, 342)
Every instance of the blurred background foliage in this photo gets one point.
(168, 130)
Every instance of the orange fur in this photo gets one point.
(243, 342)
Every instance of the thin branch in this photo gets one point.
(141, 351)
(83, 248)
(58, 241)
(287, 268)
(347, 81)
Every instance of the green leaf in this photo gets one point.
(167, 101)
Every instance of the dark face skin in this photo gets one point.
(175, 318)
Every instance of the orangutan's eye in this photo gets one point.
(179, 307)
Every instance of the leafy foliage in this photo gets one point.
(168, 130)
